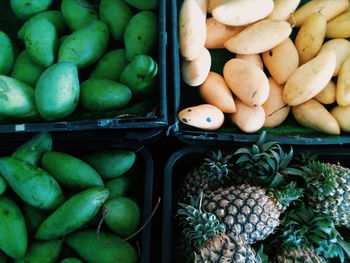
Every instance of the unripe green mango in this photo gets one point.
(116, 14)
(110, 247)
(118, 187)
(141, 34)
(26, 70)
(104, 94)
(111, 163)
(142, 4)
(13, 232)
(42, 252)
(3, 257)
(110, 65)
(41, 41)
(33, 217)
(78, 13)
(73, 214)
(62, 39)
(32, 150)
(71, 260)
(32, 184)
(122, 216)
(57, 91)
(140, 76)
(53, 16)
(25, 9)
(16, 98)
(7, 54)
(85, 46)
(3, 186)
(70, 171)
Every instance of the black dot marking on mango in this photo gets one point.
(189, 110)
(184, 120)
(27, 5)
(139, 37)
(270, 53)
(141, 76)
(208, 119)
(6, 212)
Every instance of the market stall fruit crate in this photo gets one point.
(142, 112)
(187, 97)
(134, 188)
(180, 165)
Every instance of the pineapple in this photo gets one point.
(211, 174)
(211, 241)
(249, 211)
(328, 187)
(307, 237)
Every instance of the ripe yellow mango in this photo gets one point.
(328, 8)
(195, 72)
(254, 58)
(341, 114)
(192, 28)
(328, 94)
(283, 9)
(310, 37)
(339, 27)
(343, 84)
(309, 79)
(281, 61)
(259, 37)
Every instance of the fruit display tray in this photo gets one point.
(182, 160)
(183, 96)
(148, 114)
(78, 144)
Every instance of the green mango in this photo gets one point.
(26, 70)
(78, 13)
(53, 16)
(73, 214)
(104, 94)
(41, 41)
(32, 151)
(116, 14)
(25, 9)
(33, 217)
(3, 186)
(85, 46)
(68, 252)
(57, 91)
(3, 257)
(142, 4)
(118, 187)
(7, 54)
(70, 171)
(32, 184)
(122, 216)
(16, 98)
(42, 252)
(141, 34)
(111, 248)
(62, 39)
(111, 163)
(13, 232)
(71, 260)
(140, 76)
(110, 65)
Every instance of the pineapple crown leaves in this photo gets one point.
(266, 163)
(261, 256)
(199, 226)
(218, 166)
(285, 195)
(301, 227)
(319, 178)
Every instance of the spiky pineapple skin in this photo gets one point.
(245, 210)
(299, 255)
(337, 203)
(226, 248)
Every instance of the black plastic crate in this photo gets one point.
(290, 132)
(181, 161)
(156, 118)
(78, 145)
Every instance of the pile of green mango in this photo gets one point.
(77, 55)
(55, 207)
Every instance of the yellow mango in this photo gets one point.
(283, 9)
(259, 37)
(196, 71)
(341, 114)
(339, 27)
(309, 79)
(310, 37)
(343, 84)
(254, 58)
(281, 61)
(328, 94)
